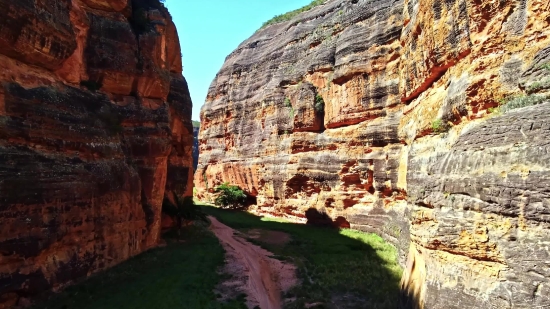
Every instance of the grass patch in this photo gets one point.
(287, 102)
(289, 15)
(289, 105)
(520, 101)
(180, 275)
(334, 266)
(439, 126)
(536, 86)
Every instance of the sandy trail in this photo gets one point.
(265, 277)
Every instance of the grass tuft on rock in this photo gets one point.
(519, 101)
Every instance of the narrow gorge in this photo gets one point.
(399, 117)
(390, 153)
(95, 128)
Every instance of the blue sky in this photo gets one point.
(211, 30)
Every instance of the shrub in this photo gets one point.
(292, 14)
(493, 110)
(319, 104)
(230, 197)
(287, 102)
(520, 101)
(184, 209)
(536, 86)
(439, 126)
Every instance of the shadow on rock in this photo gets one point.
(322, 219)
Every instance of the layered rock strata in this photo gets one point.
(94, 128)
(195, 146)
(378, 113)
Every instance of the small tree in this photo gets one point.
(231, 197)
(319, 104)
(184, 209)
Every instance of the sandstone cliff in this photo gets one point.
(378, 113)
(196, 128)
(94, 127)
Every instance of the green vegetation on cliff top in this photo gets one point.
(196, 124)
(292, 14)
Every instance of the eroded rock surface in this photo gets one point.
(263, 128)
(94, 128)
(404, 144)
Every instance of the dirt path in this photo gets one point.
(264, 278)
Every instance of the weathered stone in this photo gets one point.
(467, 206)
(82, 172)
(108, 5)
(263, 126)
(37, 32)
(483, 208)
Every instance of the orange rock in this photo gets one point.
(91, 138)
(407, 145)
(108, 5)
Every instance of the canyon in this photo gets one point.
(384, 115)
(95, 128)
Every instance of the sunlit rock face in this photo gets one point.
(405, 145)
(262, 129)
(94, 128)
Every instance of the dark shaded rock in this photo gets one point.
(83, 170)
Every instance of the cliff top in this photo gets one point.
(289, 15)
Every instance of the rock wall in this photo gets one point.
(95, 125)
(403, 142)
(195, 147)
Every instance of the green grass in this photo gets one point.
(341, 269)
(196, 124)
(520, 101)
(289, 15)
(287, 102)
(439, 126)
(180, 275)
(536, 86)
(347, 268)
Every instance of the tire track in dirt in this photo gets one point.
(266, 278)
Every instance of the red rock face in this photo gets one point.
(406, 145)
(95, 127)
